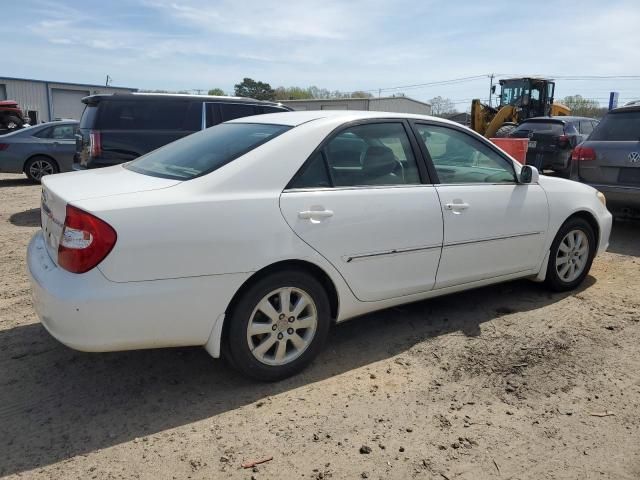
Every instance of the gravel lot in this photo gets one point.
(507, 381)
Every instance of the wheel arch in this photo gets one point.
(303, 265)
(590, 219)
(31, 157)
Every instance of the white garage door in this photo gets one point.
(67, 103)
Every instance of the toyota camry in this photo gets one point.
(253, 237)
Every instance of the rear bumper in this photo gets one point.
(90, 313)
(558, 160)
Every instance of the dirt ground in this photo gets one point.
(504, 382)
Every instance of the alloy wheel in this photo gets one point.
(40, 168)
(282, 326)
(572, 255)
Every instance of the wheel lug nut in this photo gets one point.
(274, 328)
(290, 331)
(282, 315)
(291, 319)
(280, 336)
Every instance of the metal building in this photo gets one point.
(379, 104)
(44, 101)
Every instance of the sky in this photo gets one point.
(339, 45)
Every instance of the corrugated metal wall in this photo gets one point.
(32, 95)
(399, 105)
(385, 104)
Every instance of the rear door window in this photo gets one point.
(620, 126)
(586, 127)
(231, 111)
(150, 115)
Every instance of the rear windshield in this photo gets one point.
(552, 128)
(150, 115)
(623, 126)
(88, 117)
(205, 151)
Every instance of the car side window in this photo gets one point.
(460, 158)
(586, 127)
(63, 132)
(374, 154)
(230, 111)
(44, 133)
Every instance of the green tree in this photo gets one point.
(216, 91)
(292, 93)
(258, 90)
(582, 107)
(360, 94)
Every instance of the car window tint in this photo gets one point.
(313, 175)
(553, 128)
(44, 133)
(460, 158)
(205, 151)
(212, 114)
(619, 126)
(372, 154)
(586, 127)
(273, 110)
(236, 110)
(63, 132)
(148, 115)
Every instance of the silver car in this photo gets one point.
(609, 159)
(39, 150)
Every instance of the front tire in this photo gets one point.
(39, 166)
(278, 326)
(571, 255)
(13, 123)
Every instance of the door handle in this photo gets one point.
(457, 206)
(314, 214)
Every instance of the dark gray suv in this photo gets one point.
(609, 159)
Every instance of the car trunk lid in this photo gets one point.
(60, 190)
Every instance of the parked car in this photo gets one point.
(117, 128)
(253, 236)
(39, 150)
(610, 159)
(552, 139)
(11, 116)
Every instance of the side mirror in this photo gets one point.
(529, 174)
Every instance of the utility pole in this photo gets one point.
(490, 87)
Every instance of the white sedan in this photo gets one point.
(252, 237)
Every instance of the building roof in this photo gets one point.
(324, 100)
(67, 83)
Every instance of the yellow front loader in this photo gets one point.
(520, 98)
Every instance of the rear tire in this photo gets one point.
(12, 123)
(39, 166)
(505, 130)
(271, 338)
(571, 255)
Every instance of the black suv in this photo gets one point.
(552, 139)
(117, 128)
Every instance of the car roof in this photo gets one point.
(558, 118)
(296, 118)
(95, 99)
(626, 108)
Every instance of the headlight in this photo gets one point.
(602, 198)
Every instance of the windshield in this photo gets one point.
(621, 126)
(511, 93)
(205, 151)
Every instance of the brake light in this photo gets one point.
(86, 241)
(95, 143)
(563, 140)
(583, 154)
(3, 146)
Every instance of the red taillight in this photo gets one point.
(563, 140)
(85, 242)
(95, 143)
(3, 146)
(583, 154)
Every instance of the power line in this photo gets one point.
(451, 81)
